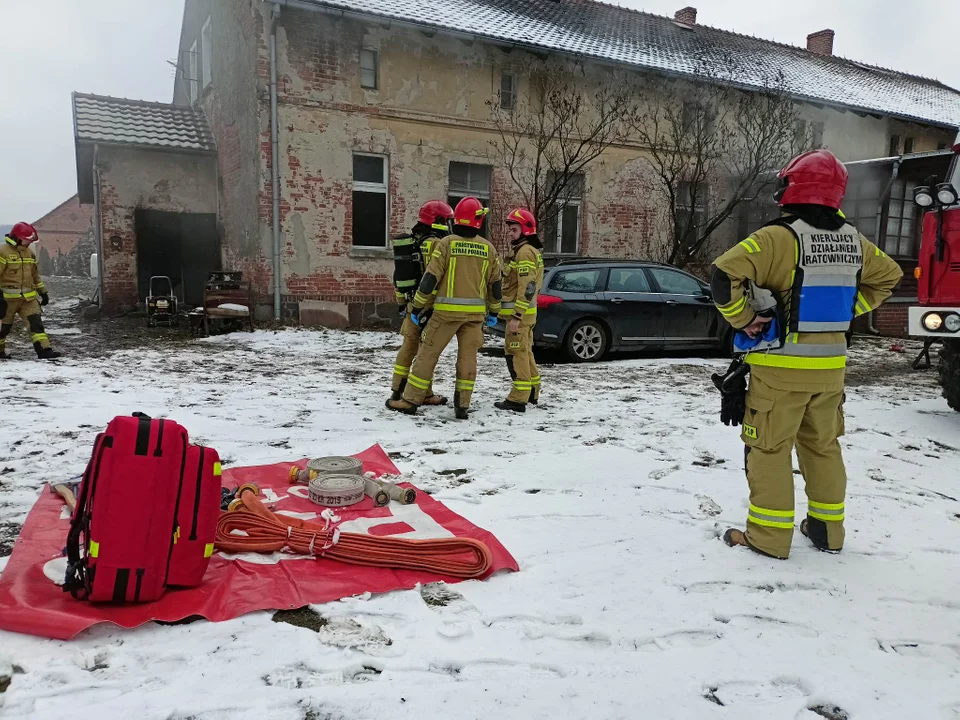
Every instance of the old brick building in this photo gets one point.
(66, 234)
(379, 106)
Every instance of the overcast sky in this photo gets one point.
(122, 48)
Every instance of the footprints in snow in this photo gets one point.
(742, 692)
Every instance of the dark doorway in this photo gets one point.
(183, 246)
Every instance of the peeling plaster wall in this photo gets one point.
(430, 109)
(132, 179)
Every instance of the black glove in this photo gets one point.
(44, 299)
(733, 392)
(402, 311)
(3, 308)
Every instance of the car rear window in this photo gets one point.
(628, 280)
(576, 281)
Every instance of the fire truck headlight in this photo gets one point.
(952, 323)
(932, 322)
(946, 194)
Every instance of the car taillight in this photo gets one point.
(544, 301)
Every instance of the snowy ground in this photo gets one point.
(611, 497)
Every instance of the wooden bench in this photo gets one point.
(227, 288)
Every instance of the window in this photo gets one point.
(817, 134)
(192, 72)
(908, 145)
(561, 235)
(206, 51)
(800, 134)
(628, 280)
(894, 145)
(468, 180)
(370, 206)
(941, 146)
(676, 283)
(576, 281)
(691, 209)
(369, 62)
(901, 238)
(862, 203)
(697, 118)
(508, 91)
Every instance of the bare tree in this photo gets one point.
(547, 138)
(713, 147)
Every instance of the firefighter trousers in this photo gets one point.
(518, 348)
(442, 328)
(776, 421)
(29, 312)
(408, 351)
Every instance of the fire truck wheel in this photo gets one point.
(950, 372)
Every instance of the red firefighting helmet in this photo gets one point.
(470, 213)
(437, 214)
(24, 233)
(525, 219)
(814, 178)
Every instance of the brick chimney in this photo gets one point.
(687, 16)
(821, 42)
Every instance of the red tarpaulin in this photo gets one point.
(31, 603)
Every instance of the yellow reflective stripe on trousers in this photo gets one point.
(466, 384)
(401, 370)
(770, 518)
(39, 338)
(828, 512)
(418, 383)
(16, 294)
(795, 362)
(734, 308)
(535, 381)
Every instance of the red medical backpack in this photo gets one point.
(146, 514)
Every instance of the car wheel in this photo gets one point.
(586, 341)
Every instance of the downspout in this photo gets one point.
(98, 225)
(884, 197)
(275, 161)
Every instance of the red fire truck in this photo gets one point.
(937, 318)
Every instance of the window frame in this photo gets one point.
(376, 68)
(381, 188)
(912, 239)
(702, 209)
(206, 53)
(454, 195)
(512, 93)
(193, 66)
(578, 183)
(894, 146)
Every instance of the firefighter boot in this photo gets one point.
(434, 400)
(4, 355)
(398, 393)
(511, 406)
(47, 353)
(461, 413)
(403, 406)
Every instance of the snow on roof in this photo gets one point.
(614, 34)
(99, 119)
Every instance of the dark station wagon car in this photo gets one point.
(589, 307)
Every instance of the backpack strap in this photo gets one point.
(78, 576)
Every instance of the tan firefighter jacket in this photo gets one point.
(524, 269)
(467, 271)
(19, 274)
(822, 279)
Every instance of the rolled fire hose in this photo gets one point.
(333, 465)
(251, 527)
(337, 490)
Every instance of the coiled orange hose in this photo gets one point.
(264, 531)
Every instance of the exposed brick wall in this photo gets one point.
(60, 231)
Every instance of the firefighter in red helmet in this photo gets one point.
(463, 281)
(791, 290)
(522, 282)
(22, 292)
(411, 253)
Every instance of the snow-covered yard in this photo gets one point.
(611, 496)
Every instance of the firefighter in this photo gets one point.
(821, 273)
(464, 273)
(523, 281)
(411, 254)
(21, 285)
